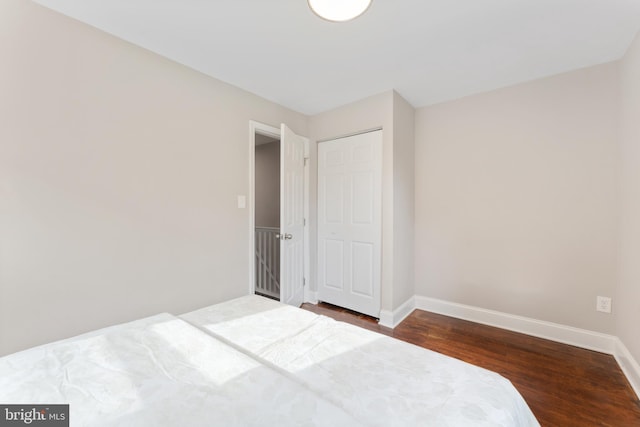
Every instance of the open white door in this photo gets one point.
(291, 217)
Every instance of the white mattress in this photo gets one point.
(160, 371)
(379, 380)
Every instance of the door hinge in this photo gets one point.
(304, 221)
(304, 282)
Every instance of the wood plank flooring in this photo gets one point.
(563, 385)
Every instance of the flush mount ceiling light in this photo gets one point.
(339, 10)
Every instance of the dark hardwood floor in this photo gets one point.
(563, 385)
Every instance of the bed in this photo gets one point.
(378, 380)
(255, 362)
(160, 371)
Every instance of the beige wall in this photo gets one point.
(403, 200)
(119, 172)
(627, 302)
(516, 196)
(267, 185)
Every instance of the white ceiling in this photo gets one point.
(430, 51)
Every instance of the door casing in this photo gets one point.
(264, 129)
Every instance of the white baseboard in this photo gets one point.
(310, 296)
(552, 331)
(391, 319)
(583, 338)
(629, 366)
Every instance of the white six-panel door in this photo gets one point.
(291, 217)
(349, 222)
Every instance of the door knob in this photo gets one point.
(288, 236)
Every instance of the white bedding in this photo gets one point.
(160, 371)
(379, 380)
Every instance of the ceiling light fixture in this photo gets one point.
(339, 10)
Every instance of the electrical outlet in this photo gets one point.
(603, 304)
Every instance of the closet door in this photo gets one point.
(350, 222)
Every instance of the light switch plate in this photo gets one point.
(242, 202)
(603, 304)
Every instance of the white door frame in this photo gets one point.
(261, 128)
